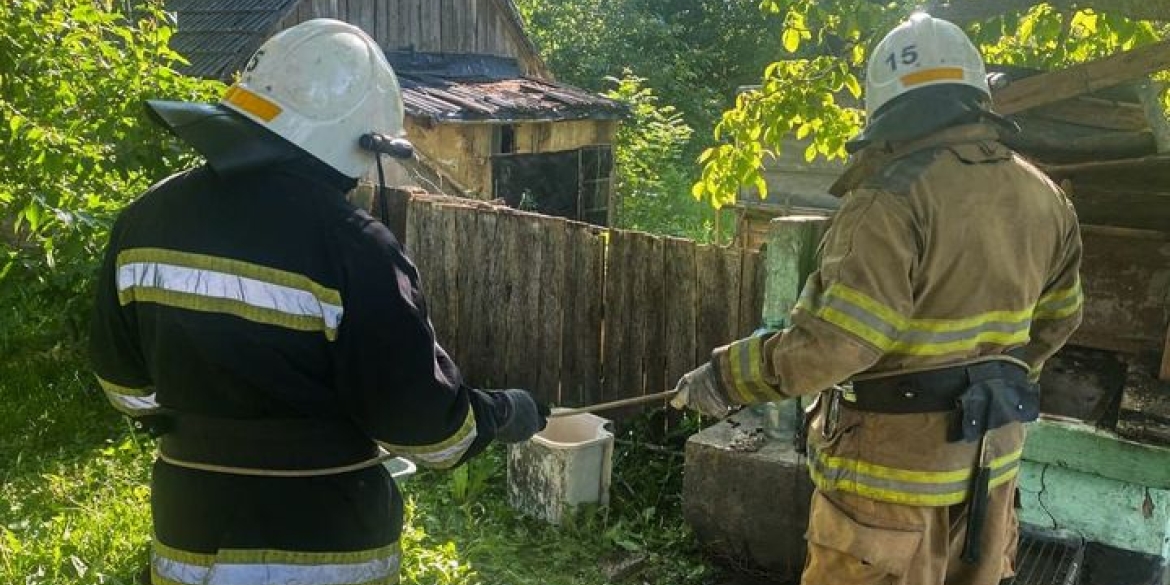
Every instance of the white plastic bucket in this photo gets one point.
(566, 465)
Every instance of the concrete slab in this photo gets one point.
(746, 496)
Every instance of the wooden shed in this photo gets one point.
(486, 116)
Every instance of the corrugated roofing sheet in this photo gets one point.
(219, 36)
(444, 99)
(466, 87)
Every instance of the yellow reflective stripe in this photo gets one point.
(920, 488)
(869, 305)
(445, 453)
(1059, 313)
(890, 332)
(211, 284)
(908, 476)
(270, 556)
(739, 394)
(931, 75)
(1061, 303)
(856, 327)
(905, 498)
(748, 385)
(158, 579)
(1061, 294)
(233, 307)
(113, 388)
(986, 337)
(925, 325)
(233, 267)
(253, 103)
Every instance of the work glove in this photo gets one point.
(699, 390)
(517, 415)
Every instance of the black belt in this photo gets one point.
(930, 391)
(265, 444)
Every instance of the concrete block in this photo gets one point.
(747, 496)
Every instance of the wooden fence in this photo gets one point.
(575, 313)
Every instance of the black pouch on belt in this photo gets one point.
(999, 394)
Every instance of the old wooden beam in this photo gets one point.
(1129, 516)
(1126, 278)
(1085, 448)
(1145, 405)
(1040, 137)
(1164, 374)
(1150, 94)
(1097, 113)
(1077, 80)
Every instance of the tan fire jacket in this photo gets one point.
(949, 250)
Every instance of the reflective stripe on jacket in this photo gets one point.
(270, 297)
(170, 566)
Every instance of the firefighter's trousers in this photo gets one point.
(856, 541)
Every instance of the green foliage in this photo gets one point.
(809, 95)
(482, 540)
(689, 55)
(653, 173)
(693, 53)
(73, 502)
(75, 145)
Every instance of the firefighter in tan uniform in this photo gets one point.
(947, 279)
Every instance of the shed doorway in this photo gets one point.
(573, 184)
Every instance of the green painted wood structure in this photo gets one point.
(1090, 482)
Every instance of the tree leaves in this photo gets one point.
(816, 98)
(791, 40)
(77, 147)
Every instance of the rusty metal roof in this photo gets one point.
(449, 88)
(219, 36)
(444, 99)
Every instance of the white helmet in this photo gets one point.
(921, 52)
(322, 85)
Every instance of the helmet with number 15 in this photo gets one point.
(923, 51)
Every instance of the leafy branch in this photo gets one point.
(807, 95)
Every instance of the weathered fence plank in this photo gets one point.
(551, 312)
(474, 278)
(524, 260)
(681, 307)
(653, 292)
(581, 351)
(615, 332)
(632, 327)
(718, 298)
(573, 313)
(445, 311)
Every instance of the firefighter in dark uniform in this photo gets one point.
(275, 337)
(948, 277)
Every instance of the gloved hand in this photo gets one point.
(518, 416)
(699, 390)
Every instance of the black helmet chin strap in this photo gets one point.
(383, 201)
(380, 144)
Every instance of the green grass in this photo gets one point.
(74, 502)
